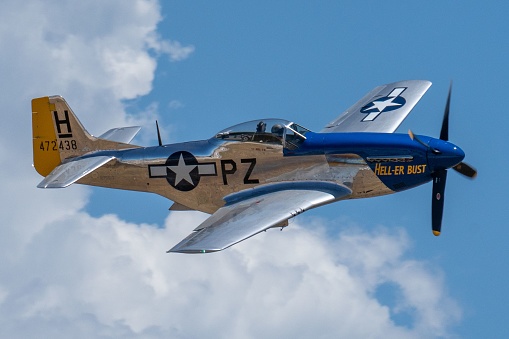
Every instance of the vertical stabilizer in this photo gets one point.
(59, 135)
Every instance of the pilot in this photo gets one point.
(278, 130)
(260, 128)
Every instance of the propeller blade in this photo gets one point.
(411, 134)
(466, 170)
(414, 137)
(158, 135)
(444, 132)
(437, 203)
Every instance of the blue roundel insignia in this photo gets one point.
(391, 102)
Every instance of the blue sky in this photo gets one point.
(199, 67)
(307, 63)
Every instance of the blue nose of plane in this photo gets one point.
(443, 154)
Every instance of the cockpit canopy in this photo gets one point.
(277, 131)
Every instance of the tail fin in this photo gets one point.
(58, 135)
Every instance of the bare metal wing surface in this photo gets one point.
(70, 172)
(122, 134)
(382, 110)
(252, 211)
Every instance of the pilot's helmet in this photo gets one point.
(260, 128)
(277, 129)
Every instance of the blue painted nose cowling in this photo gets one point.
(443, 154)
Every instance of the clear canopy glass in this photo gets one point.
(264, 130)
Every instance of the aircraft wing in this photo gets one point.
(70, 172)
(121, 134)
(252, 211)
(381, 110)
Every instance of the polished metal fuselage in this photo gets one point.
(238, 166)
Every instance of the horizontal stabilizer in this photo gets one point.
(121, 134)
(70, 172)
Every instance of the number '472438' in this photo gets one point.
(64, 145)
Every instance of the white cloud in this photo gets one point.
(115, 275)
(175, 50)
(66, 274)
(94, 53)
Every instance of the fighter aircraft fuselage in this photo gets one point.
(199, 174)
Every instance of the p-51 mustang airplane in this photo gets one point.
(255, 175)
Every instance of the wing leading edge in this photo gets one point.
(252, 211)
(382, 110)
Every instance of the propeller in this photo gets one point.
(440, 175)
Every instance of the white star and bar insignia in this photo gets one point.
(392, 101)
(182, 175)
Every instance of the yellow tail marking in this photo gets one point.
(45, 147)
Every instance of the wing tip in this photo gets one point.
(49, 184)
(190, 251)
